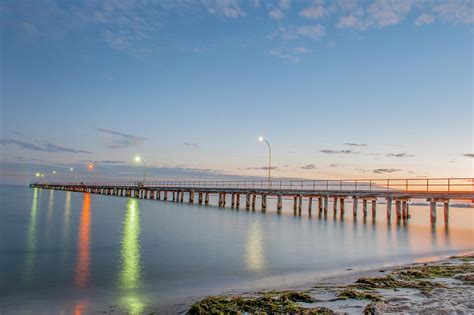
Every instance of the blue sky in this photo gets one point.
(341, 89)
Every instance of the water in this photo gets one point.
(64, 252)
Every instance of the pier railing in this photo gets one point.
(409, 185)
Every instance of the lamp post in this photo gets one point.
(38, 175)
(138, 159)
(262, 139)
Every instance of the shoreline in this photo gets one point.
(440, 285)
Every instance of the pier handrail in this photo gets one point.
(406, 184)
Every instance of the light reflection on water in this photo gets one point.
(75, 248)
(254, 255)
(131, 261)
(83, 245)
(31, 239)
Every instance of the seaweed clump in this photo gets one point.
(435, 271)
(358, 295)
(275, 302)
(389, 282)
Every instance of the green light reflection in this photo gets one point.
(31, 238)
(130, 274)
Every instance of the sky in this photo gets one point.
(340, 89)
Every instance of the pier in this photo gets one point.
(397, 193)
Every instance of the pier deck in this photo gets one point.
(398, 191)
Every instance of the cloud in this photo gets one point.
(471, 155)
(313, 12)
(284, 4)
(119, 140)
(108, 162)
(227, 8)
(399, 155)
(349, 21)
(47, 147)
(386, 170)
(424, 19)
(307, 31)
(455, 11)
(290, 55)
(276, 14)
(261, 168)
(327, 151)
(191, 144)
(355, 144)
(308, 167)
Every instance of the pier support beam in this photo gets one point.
(320, 204)
(404, 209)
(165, 195)
(341, 206)
(300, 203)
(279, 203)
(364, 207)
(398, 209)
(206, 199)
(355, 204)
(191, 196)
(446, 211)
(389, 208)
(247, 201)
(433, 211)
(264, 203)
(232, 200)
(254, 199)
(310, 204)
(326, 204)
(200, 198)
(237, 201)
(374, 207)
(295, 204)
(334, 205)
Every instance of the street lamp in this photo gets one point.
(262, 139)
(138, 159)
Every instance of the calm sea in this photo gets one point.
(64, 252)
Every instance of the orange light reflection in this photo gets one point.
(83, 246)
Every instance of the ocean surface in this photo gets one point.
(66, 252)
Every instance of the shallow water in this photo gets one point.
(64, 252)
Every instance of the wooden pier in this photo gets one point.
(317, 193)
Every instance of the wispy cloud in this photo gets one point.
(290, 55)
(399, 155)
(261, 168)
(47, 147)
(107, 162)
(226, 8)
(308, 167)
(385, 170)
(275, 14)
(117, 140)
(328, 151)
(351, 144)
(314, 11)
(471, 155)
(191, 144)
(424, 19)
(307, 31)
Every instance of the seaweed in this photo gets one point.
(358, 295)
(271, 302)
(389, 282)
(435, 271)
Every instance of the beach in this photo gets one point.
(437, 287)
